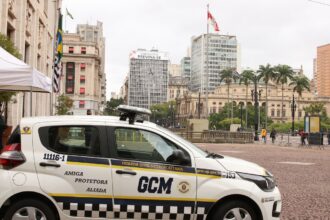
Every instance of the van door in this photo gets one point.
(72, 167)
(148, 182)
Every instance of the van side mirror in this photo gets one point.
(179, 157)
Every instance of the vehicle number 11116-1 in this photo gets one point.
(56, 157)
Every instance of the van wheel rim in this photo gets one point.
(237, 214)
(29, 213)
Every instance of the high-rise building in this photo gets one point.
(30, 25)
(323, 71)
(222, 53)
(174, 69)
(83, 77)
(148, 78)
(185, 67)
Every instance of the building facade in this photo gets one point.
(323, 71)
(187, 104)
(174, 69)
(186, 67)
(222, 54)
(83, 78)
(148, 78)
(30, 25)
(177, 86)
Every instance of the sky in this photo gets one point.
(268, 31)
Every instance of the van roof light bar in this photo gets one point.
(131, 112)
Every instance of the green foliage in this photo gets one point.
(216, 118)
(163, 111)
(7, 45)
(286, 127)
(266, 73)
(246, 77)
(300, 83)
(110, 109)
(316, 109)
(225, 124)
(283, 73)
(64, 105)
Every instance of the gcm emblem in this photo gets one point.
(184, 187)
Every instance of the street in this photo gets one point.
(302, 174)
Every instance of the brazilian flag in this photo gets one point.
(58, 56)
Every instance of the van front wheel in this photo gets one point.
(234, 210)
(29, 209)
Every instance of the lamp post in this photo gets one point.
(293, 110)
(255, 95)
(241, 104)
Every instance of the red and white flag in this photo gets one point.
(213, 22)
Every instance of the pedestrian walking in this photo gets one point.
(89, 112)
(264, 135)
(2, 129)
(273, 135)
(302, 137)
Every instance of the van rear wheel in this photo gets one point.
(29, 209)
(235, 210)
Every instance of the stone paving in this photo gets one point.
(302, 174)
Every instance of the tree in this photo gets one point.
(5, 96)
(246, 79)
(300, 83)
(163, 113)
(64, 105)
(316, 109)
(266, 73)
(111, 106)
(283, 73)
(228, 76)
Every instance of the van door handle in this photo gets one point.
(43, 164)
(125, 172)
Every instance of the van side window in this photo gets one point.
(141, 145)
(73, 140)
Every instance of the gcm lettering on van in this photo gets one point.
(155, 185)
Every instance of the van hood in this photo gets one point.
(242, 166)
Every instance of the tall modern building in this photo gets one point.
(83, 77)
(30, 25)
(323, 71)
(148, 78)
(186, 67)
(222, 53)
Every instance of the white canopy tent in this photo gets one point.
(15, 75)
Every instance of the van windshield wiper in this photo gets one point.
(213, 155)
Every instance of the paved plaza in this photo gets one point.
(302, 174)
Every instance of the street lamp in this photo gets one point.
(255, 96)
(293, 110)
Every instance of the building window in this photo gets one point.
(83, 66)
(82, 91)
(83, 50)
(82, 79)
(278, 113)
(70, 72)
(81, 104)
(272, 112)
(299, 113)
(214, 103)
(71, 49)
(283, 114)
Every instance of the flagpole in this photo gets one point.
(207, 65)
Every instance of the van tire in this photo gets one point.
(36, 206)
(230, 208)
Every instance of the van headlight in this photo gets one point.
(265, 183)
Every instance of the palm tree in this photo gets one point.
(284, 73)
(300, 83)
(228, 76)
(266, 73)
(245, 79)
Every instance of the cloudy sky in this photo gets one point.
(269, 31)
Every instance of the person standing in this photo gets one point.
(264, 135)
(328, 136)
(2, 129)
(89, 112)
(273, 135)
